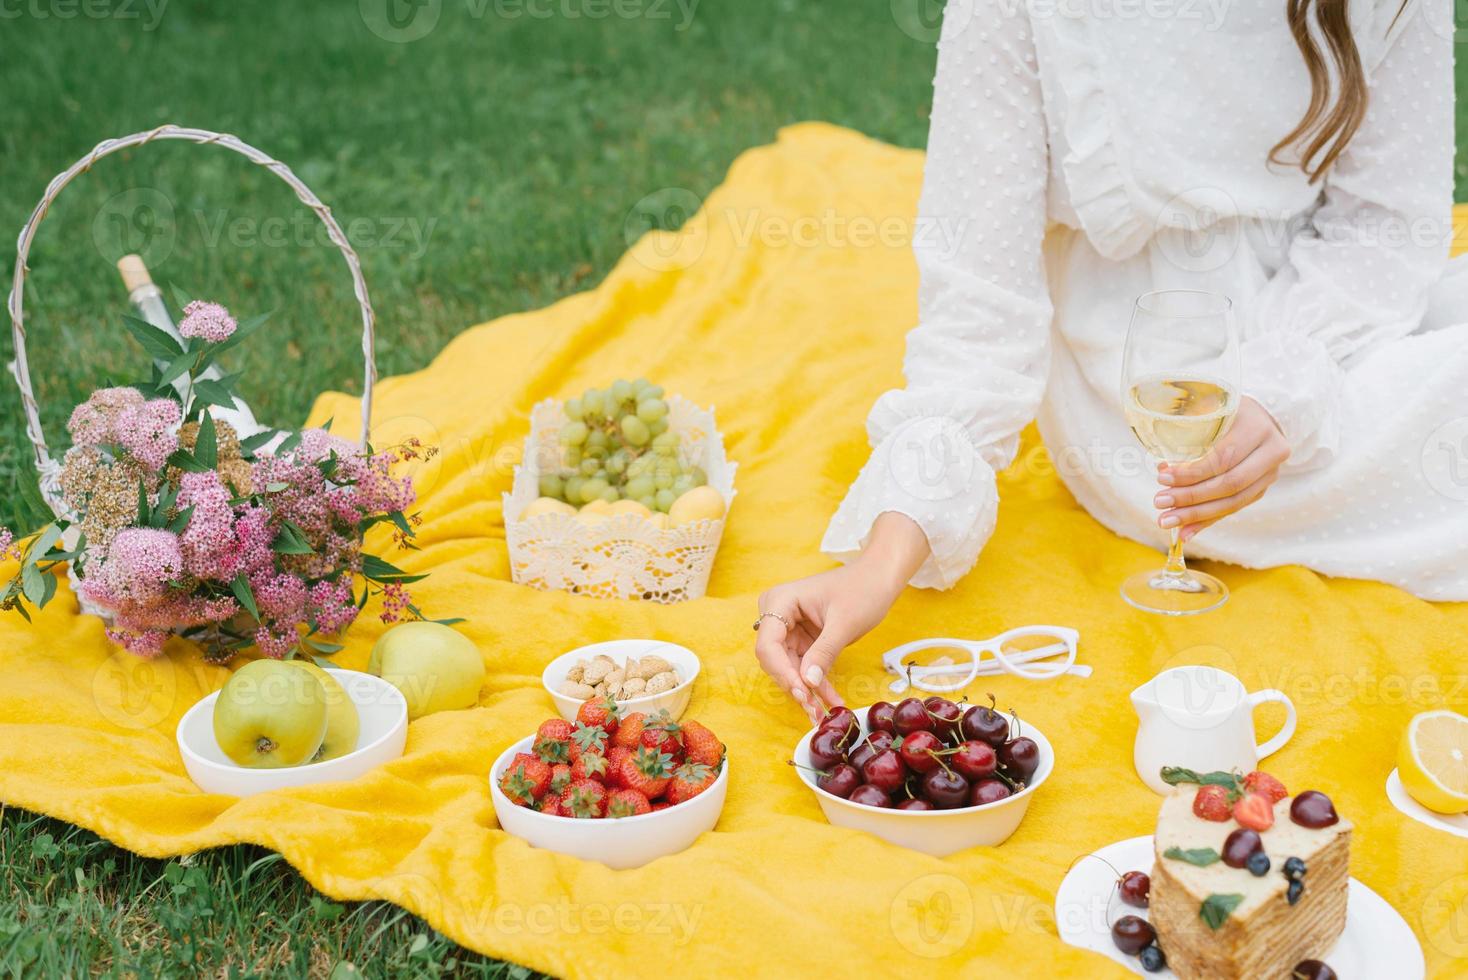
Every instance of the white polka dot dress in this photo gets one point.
(1078, 158)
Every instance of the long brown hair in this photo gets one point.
(1329, 123)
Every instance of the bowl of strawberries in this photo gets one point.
(931, 775)
(621, 789)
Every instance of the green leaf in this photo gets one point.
(322, 662)
(291, 541)
(402, 523)
(242, 332)
(33, 584)
(291, 442)
(49, 535)
(49, 582)
(1217, 908)
(1198, 856)
(206, 445)
(214, 393)
(143, 508)
(321, 646)
(1172, 775)
(241, 589)
(379, 570)
(159, 345)
(184, 460)
(181, 520)
(257, 440)
(180, 297)
(175, 368)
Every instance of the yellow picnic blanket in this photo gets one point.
(783, 303)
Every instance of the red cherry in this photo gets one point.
(868, 747)
(1132, 934)
(974, 760)
(1135, 889)
(918, 751)
(1240, 846)
(839, 717)
(869, 795)
(885, 770)
(1313, 809)
(910, 716)
(826, 748)
(987, 791)
(947, 716)
(945, 789)
(841, 780)
(879, 718)
(915, 803)
(984, 724)
(1019, 758)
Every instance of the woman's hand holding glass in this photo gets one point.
(1231, 476)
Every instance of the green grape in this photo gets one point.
(699, 476)
(597, 439)
(574, 433)
(663, 481)
(666, 444)
(574, 410)
(653, 391)
(571, 458)
(641, 385)
(659, 427)
(634, 430)
(650, 501)
(651, 409)
(592, 489)
(573, 489)
(610, 495)
(639, 466)
(664, 500)
(617, 462)
(640, 486)
(593, 402)
(590, 467)
(683, 484)
(622, 391)
(551, 485)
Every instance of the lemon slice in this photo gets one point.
(1432, 761)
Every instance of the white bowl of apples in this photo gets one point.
(965, 779)
(683, 662)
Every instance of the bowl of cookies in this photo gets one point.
(639, 675)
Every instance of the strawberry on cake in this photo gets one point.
(1248, 881)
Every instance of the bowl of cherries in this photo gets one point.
(932, 775)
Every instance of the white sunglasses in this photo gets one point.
(1033, 663)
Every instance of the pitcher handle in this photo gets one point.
(1286, 732)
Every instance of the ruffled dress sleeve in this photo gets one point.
(1359, 274)
(976, 364)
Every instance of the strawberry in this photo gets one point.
(552, 750)
(701, 744)
(1255, 812)
(585, 799)
(629, 730)
(627, 803)
(600, 713)
(1265, 785)
(689, 780)
(589, 766)
(1211, 803)
(560, 778)
(555, 729)
(551, 806)
(648, 772)
(587, 738)
(661, 733)
(616, 755)
(660, 805)
(526, 781)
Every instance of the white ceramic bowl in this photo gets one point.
(675, 702)
(617, 842)
(936, 832)
(384, 730)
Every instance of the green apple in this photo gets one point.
(270, 714)
(435, 667)
(342, 721)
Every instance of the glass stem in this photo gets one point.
(1175, 567)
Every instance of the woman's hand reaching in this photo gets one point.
(1234, 473)
(804, 625)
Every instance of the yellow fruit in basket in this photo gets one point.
(436, 668)
(628, 507)
(545, 505)
(597, 506)
(343, 724)
(270, 714)
(1432, 761)
(699, 504)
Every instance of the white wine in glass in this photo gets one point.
(1180, 384)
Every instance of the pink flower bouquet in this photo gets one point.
(182, 528)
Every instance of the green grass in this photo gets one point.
(489, 167)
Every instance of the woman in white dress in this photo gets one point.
(1294, 155)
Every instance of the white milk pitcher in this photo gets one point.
(1201, 718)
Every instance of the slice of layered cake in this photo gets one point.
(1248, 881)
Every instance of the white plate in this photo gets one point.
(674, 701)
(1376, 942)
(1456, 823)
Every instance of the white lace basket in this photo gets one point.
(625, 557)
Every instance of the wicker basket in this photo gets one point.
(625, 557)
(48, 468)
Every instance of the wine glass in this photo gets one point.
(1180, 391)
